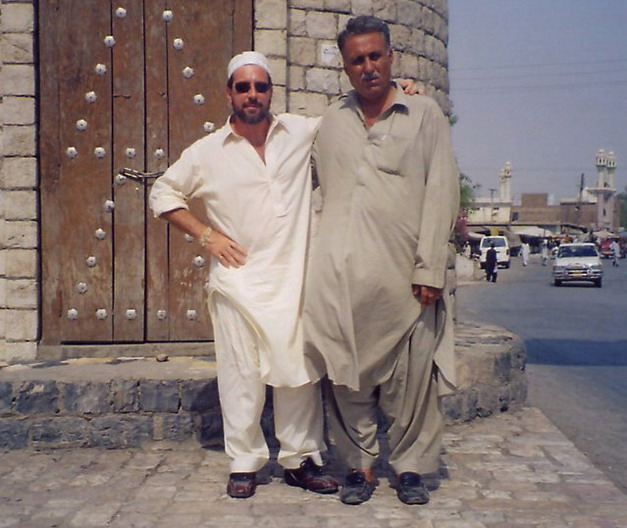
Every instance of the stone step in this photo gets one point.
(126, 401)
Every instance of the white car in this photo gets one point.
(500, 245)
(577, 262)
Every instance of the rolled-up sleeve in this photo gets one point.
(177, 185)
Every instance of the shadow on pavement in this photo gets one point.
(575, 352)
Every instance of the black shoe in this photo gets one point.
(356, 488)
(311, 477)
(410, 489)
(241, 485)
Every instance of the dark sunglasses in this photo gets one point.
(243, 87)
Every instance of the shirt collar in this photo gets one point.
(226, 133)
(400, 99)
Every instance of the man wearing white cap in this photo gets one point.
(254, 177)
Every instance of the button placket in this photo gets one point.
(279, 204)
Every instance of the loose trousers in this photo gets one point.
(298, 416)
(409, 401)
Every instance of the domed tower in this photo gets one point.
(505, 182)
(605, 190)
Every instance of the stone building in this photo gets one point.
(496, 208)
(88, 87)
(592, 211)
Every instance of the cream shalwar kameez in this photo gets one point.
(390, 197)
(257, 308)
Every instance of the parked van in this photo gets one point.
(500, 245)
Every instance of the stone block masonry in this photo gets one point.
(419, 34)
(125, 402)
(18, 181)
(107, 414)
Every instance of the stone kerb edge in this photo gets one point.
(114, 414)
(127, 413)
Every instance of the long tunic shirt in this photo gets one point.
(390, 197)
(265, 207)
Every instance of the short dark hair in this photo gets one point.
(361, 25)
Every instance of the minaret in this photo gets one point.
(610, 168)
(605, 190)
(505, 186)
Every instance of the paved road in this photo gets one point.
(515, 470)
(576, 338)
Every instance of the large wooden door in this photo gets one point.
(125, 84)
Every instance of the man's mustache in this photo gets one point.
(370, 76)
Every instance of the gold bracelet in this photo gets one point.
(204, 237)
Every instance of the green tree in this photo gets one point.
(466, 200)
(466, 192)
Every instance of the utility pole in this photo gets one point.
(492, 191)
(492, 212)
(579, 200)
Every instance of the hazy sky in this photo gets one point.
(542, 84)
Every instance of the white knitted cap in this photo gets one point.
(247, 57)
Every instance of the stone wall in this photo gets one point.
(124, 402)
(419, 34)
(299, 38)
(18, 183)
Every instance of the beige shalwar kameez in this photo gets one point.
(390, 197)
(256, 309)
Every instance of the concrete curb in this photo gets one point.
(125, 402)
(490, 373)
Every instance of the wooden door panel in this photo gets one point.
(128, 151)
(242, 24)
(49, 166)
(196, 97)
(197, 78)
(78, 182)
(111, 272)
(157, 146)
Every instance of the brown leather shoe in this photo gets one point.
(241, 485)
(311, 477)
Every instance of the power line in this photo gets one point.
(521, 170)
(526, 88)
(530, 76)
(537, 65)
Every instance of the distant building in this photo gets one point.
(580, 211)
(535, 208)
(605, 192)
(593, 210)
(496, 208)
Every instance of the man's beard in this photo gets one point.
(252, 119)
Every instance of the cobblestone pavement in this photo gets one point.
(515, 470)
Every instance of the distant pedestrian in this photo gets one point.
(615, 252)
(490, 264)
(525, 251)
(467, 250)
(544, 252)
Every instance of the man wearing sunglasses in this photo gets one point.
(254, 177)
